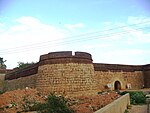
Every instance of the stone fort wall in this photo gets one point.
(2, 77)
(21, 78)
(146, 73)
(125, 74)
(67, 74)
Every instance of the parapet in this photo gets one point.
(27, 71)
(146, 67)
(5, 71)
(65, 57)
(117, 67)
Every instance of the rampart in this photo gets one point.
(68, 74)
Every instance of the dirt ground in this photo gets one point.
(20, 100)
(17, 100)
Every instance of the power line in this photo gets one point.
(81, 35)
(56, 43)
(68, 42)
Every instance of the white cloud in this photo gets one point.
(30, 21)
(33, 38)
(73, 27)
(123, 45)
(126, 56)
(137, 20)
(134, 36)
(135, 30)
(111, 46)
(138, 33)
(2, 27)
(107, 23)
(30, 30)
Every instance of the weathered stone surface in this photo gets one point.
(66, 78)
(134, 78)
(20, 83)
(2, 77)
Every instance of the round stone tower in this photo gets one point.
(67, 74)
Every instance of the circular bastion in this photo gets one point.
(66, 74)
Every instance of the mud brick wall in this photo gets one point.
(20, 83)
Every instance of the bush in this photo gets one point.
(1, 92)
(118, 91)
(126, 111)
(54, 104)
(136, 97)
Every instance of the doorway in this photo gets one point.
(117, 85)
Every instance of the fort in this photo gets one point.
(68, 74)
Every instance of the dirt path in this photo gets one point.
(138, 109)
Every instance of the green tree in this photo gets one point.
(2, 63)
(23, 65)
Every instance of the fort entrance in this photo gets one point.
(117, 85)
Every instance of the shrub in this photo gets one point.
(126, 111)
(136, 97)
(54, 104)
(1, 92)
(118, 91)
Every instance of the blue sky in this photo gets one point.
(113, 31)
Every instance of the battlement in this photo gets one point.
(65, 57)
